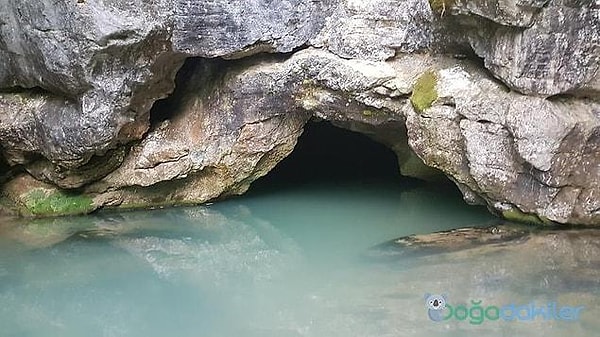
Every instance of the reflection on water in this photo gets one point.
(290, 263)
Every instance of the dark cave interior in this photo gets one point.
(329, 154)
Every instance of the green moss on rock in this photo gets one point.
(424, 92)
(518, 216)
(43, 202)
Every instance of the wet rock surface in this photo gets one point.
(558, 259)
(454, 240)
(517, 131)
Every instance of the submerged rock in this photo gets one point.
(517, 132)
(452, 241)
(559, 259)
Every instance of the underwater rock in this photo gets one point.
(453, 240)
(559, 259)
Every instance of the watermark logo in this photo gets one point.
(435, 305)
(438, 309)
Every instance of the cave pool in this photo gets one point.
(285, 262)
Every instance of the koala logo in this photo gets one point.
(435, 305)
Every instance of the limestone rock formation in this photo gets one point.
(517, 130)
(510, 149)
(220, 140)
(238, 28)
(541, 48)
(78, 78)
(377, 29)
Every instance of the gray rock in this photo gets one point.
(559, 52)
(80, 77)
(377, 29)
(512, 153)
(518, 13)
(241, 28)
(488, 140)
(78, 80)
(87, 73)
(220, 140)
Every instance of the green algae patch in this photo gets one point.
(424, 92)
(518, 216)
(43, 202)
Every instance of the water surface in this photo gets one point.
(285, 262)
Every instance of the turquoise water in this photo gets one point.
(285, 262)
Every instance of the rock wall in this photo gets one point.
(501, 96)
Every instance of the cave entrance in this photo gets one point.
(326, 154)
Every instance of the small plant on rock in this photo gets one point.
(440, 6)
